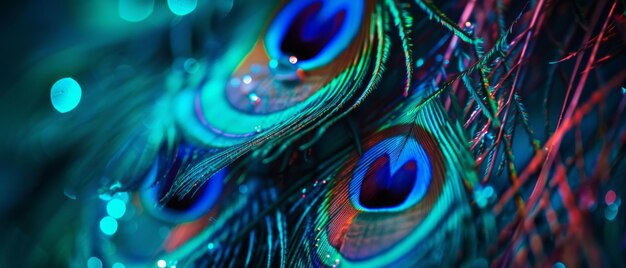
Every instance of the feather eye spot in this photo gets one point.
(392, 175)
(179, 209)
(314, 32)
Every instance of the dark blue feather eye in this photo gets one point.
(313, 32)
(380, 188)
(390, 201)
(390, 179)
(185, 209)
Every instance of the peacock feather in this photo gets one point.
(314, 133)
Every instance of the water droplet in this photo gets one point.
(191, 65)
(108, 225)
(182, 7)
(419, 62)
(610, 197)
(116, 208)
(234, 82)
(254, 98)
(273, 63)
(247, 79)
(210, 246)
(118, 265)
(161, 263)
(65, 94)
(610, 212)
(488, 191)
(135, 10)
(482, 195)
(94, 262)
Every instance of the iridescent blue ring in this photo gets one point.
(410, 150)
(150, 197)
(351, 24)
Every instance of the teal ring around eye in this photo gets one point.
(278, 29)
